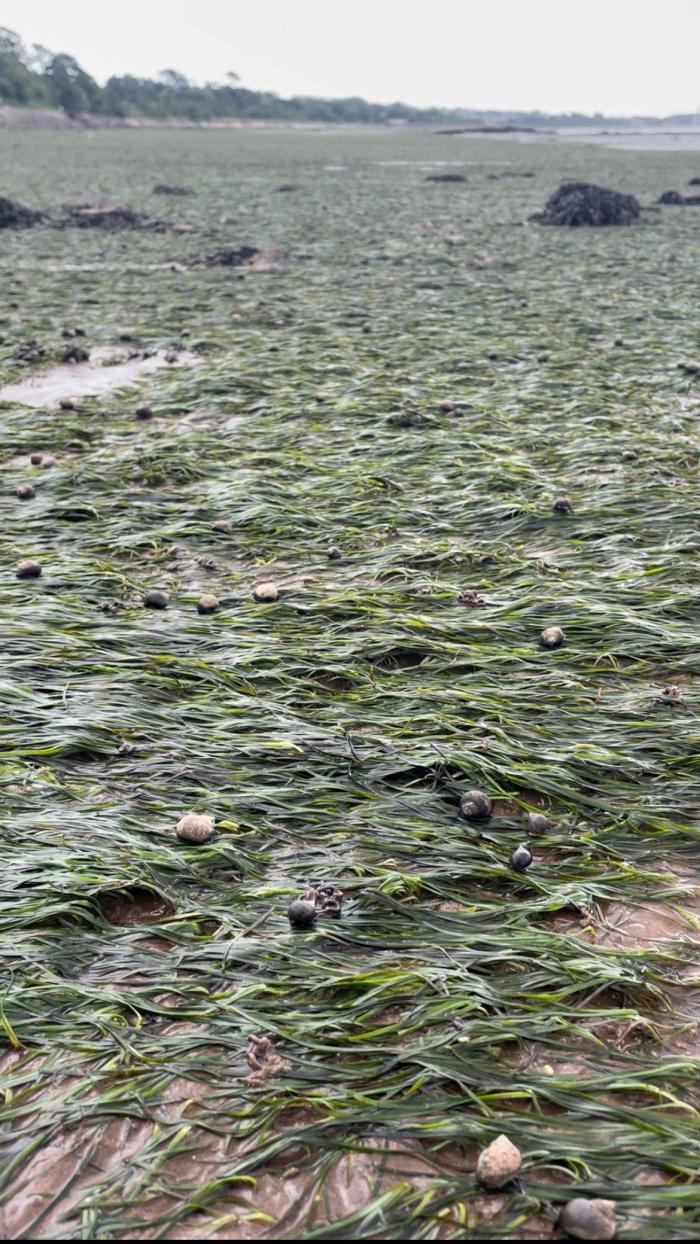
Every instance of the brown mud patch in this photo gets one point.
(135, 906)
(108, 368)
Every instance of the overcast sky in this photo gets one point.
(615, 56)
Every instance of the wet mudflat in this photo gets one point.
(412, 388)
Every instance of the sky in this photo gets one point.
(621, 57)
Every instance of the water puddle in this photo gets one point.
(108, 368)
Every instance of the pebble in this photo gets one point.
(475, 805)
(28, 569)
(552, 637)
(266, 592)
(537, 823)
(207, 603)
(25, 492)
(589, 1219)
(195, 828)
(155, 599)
(500, 1162)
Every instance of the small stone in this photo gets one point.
(552, 637)
(155, 599)
(368, 327)
(207, 603)
(537, 823)
(619, 341)
(475, 805)
(500, 1162)
(301, 913)
(144, 411)
(562, 505)
(67, 403)
(521, 859)
(446, 406)
(28, 569)
(221, 524)
(25, 492)
(36, 459)
(266, 592)
(334, 553)
(195, 828)
(48, 461)
(589, 1219)
(691, 368)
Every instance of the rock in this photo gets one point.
(581, 203)
(537, 823)
(48, 461)
(155, 599)
(195, 827)
(552, 637)
(231, 257)
(207, 603)
(25, 492)
(221, 524)
(28, 569)
(446, 406)
(67, 403)
(75, 354)
(589, 1219)
(334, 553)
(562, 505)
(144, 411)
(691, 368)
(36, 459)
(500, 1162)
(448, 177)
(265, 593)
(475, 805)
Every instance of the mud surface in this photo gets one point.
(108, 368)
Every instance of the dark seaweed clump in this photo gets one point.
(163, 187)
(445, 177)
(680, 198)
(17, 216)
(581, 203)
(231, 257)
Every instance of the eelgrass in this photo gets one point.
(331, 733)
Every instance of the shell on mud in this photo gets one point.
(537, 823)
(475, 805)
(207, 603)
(144, 411)
(334, 553)
(521, 859)
(48, 461)
(25, 492)
(221, 524)
(154, 598)
(28, 569)
(498, 1163)
(589, 1219)
(266, 592)
(36, 458)
(562, 505)
(195, 827)
(552, 637)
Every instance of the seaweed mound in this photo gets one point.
(445, 177)
(231, 257)
(581, 203)
(163, 188)
(694, 181)
(679, 198)
(16, 216)
(111, 216)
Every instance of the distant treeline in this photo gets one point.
(35, 77)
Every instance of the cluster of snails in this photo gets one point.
(318, 901)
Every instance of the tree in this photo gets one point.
(70, 87)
